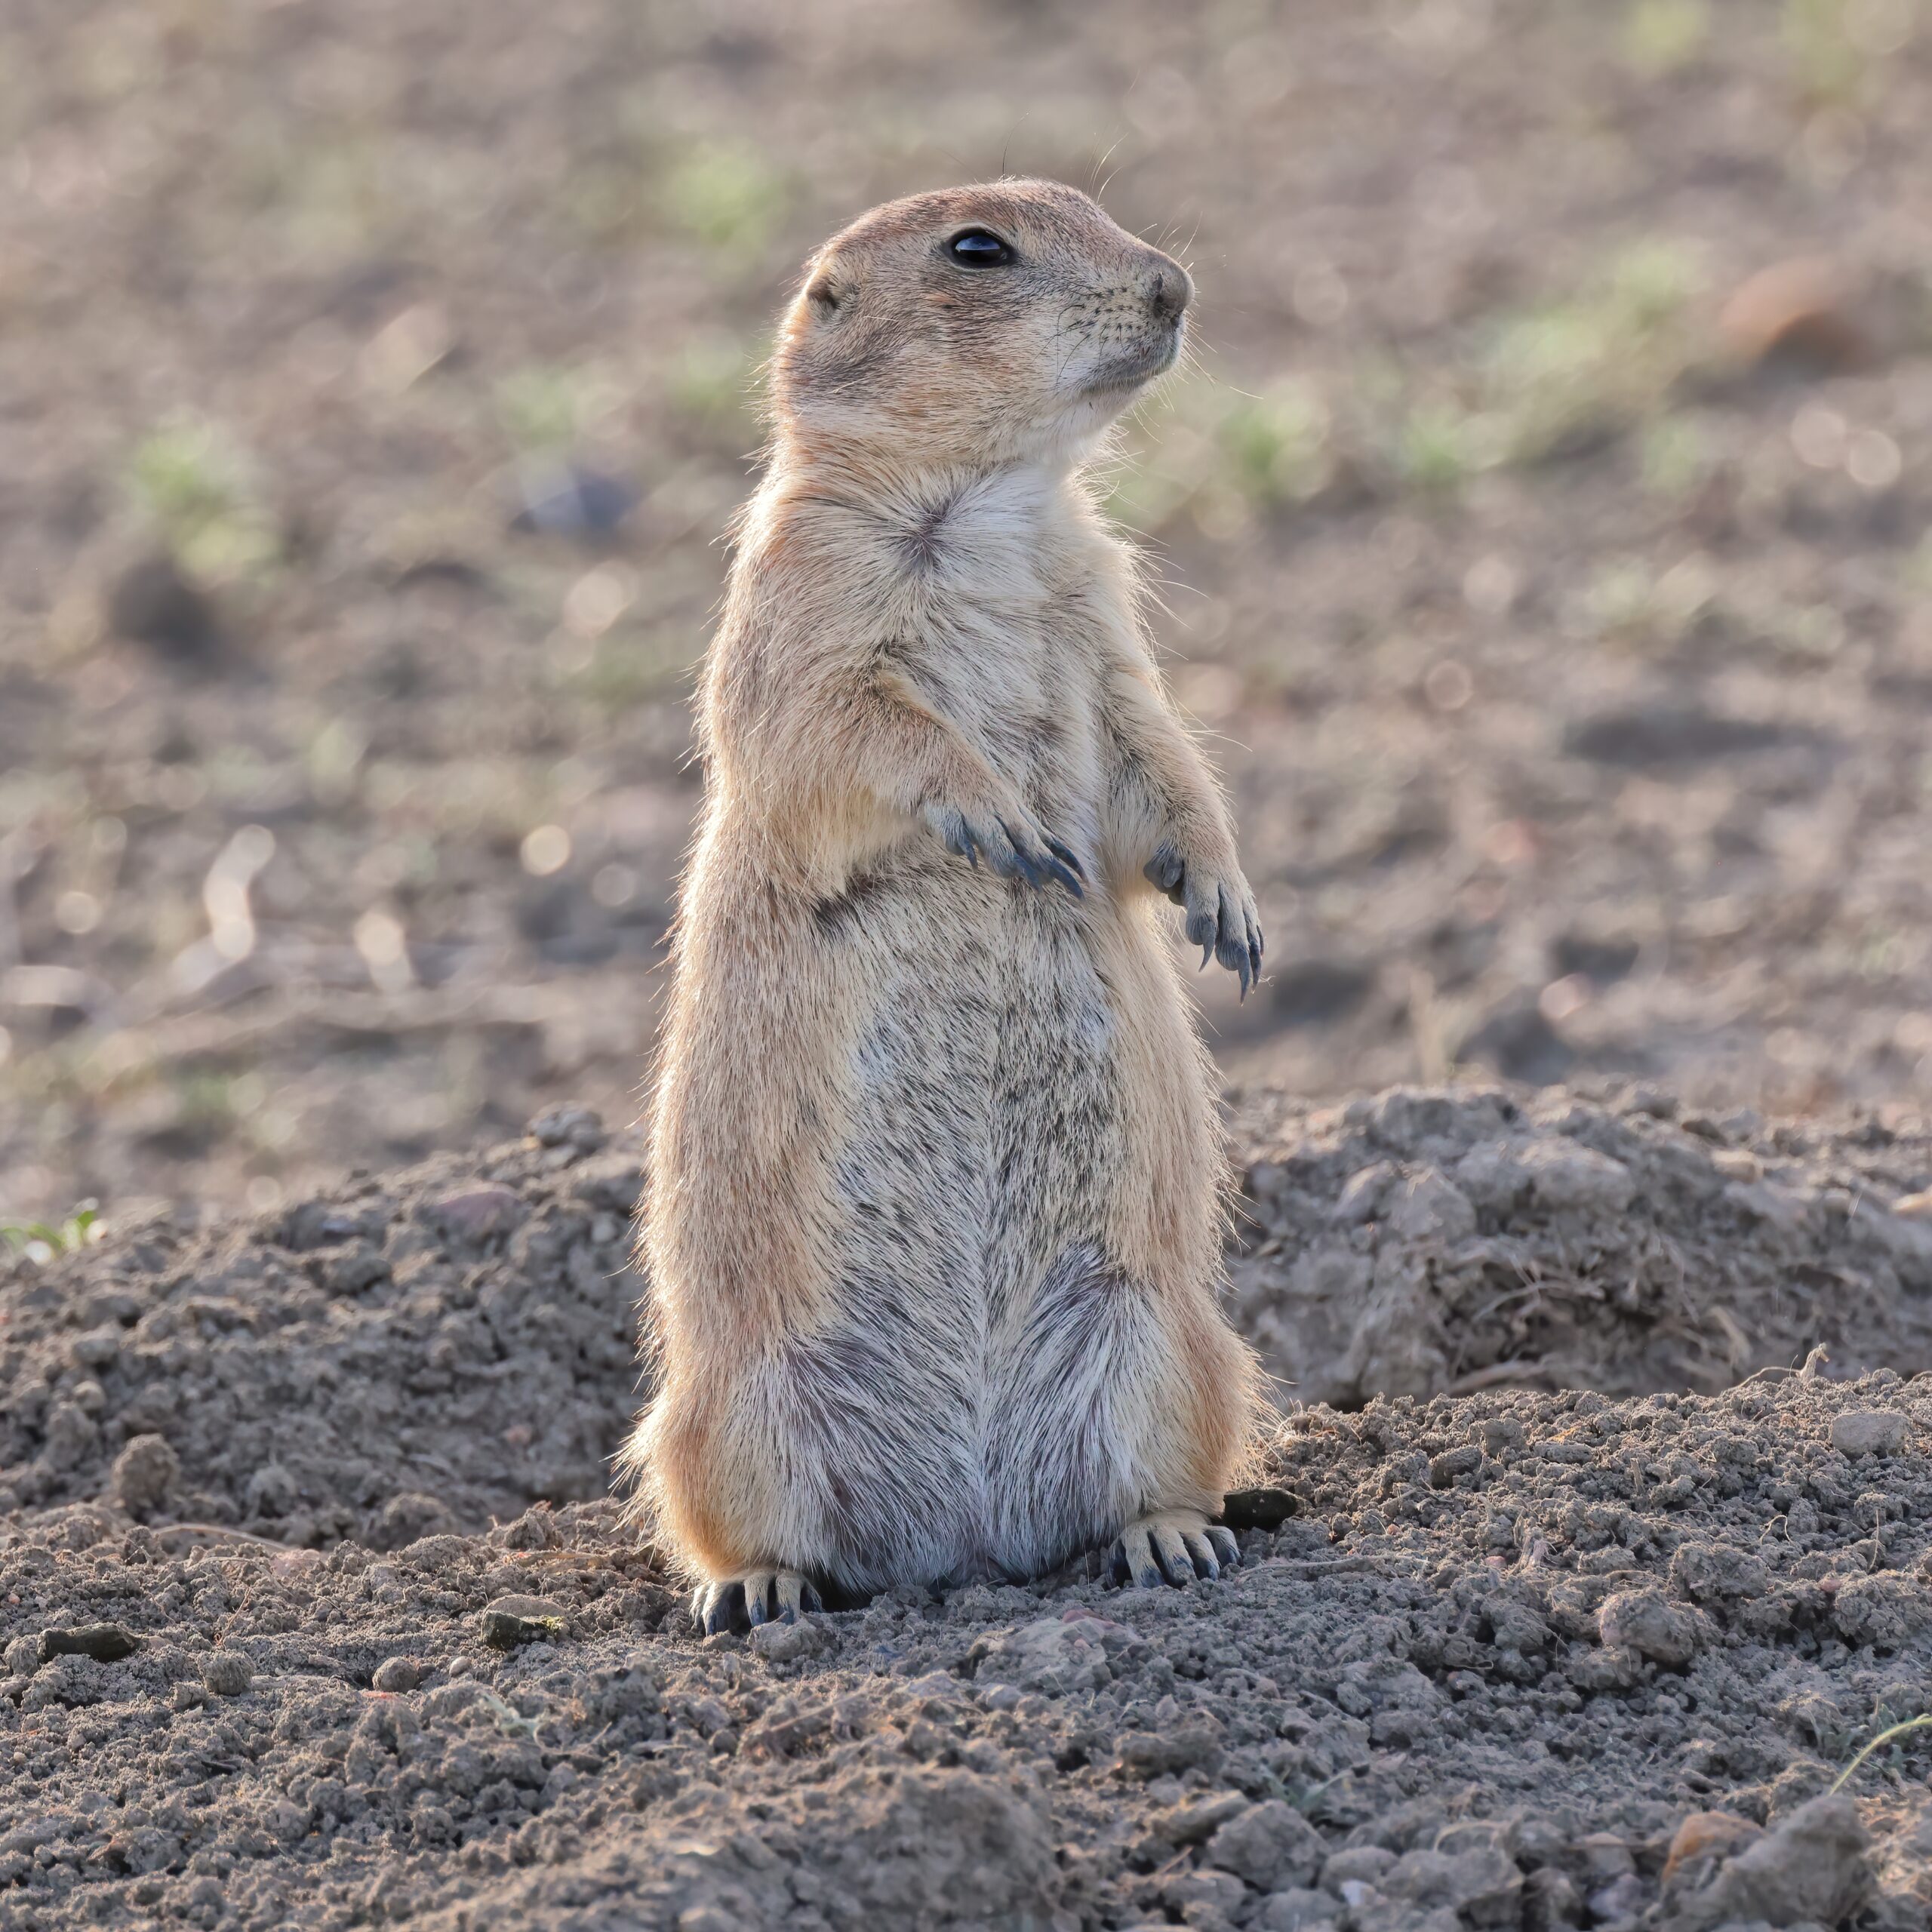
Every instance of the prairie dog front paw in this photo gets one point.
(1012, 843)
(1221, 919)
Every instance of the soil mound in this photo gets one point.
(1521, 1657)
(420, 1352)
(433, 1349)
(1427, 1240)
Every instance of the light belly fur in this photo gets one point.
(982, 1327)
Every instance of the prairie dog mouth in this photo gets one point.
(1130, 372)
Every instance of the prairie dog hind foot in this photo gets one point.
(1172, 1546)
(758, 1596)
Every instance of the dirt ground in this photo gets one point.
(1555, 593)
(1526, 1656)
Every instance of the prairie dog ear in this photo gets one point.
(826, 294)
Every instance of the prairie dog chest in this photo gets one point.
(1009, 618)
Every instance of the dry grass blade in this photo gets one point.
(1883, 1737)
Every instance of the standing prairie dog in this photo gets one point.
(934, 1212)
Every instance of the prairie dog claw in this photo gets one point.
(1173, 1547)
(1013, 846)
(759, 1596)
(1221, 915)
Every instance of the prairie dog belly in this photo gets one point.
(983, 1068)
(992, 1193)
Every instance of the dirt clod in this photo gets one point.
(1700, 1847)
(1269, 1846)
(1812, 1867)
(106, 1643)
(396, 1675)
(786, 1643)
(228, 1674)
(1295, 1908)
(143, 1474)
(1868, 1432)
(1611, 1246)
(1642, 1621)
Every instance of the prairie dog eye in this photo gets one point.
(978, 248)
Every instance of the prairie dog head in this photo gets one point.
(1008, 322)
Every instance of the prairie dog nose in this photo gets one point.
(1167, 289)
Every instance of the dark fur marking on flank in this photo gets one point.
(839, 915)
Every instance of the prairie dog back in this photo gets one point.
(933, 1216)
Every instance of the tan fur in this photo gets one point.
(932, 1220)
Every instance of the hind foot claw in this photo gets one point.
(1173, 1547)
(758, 1596)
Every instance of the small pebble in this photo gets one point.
(569, 1126)
(396, 1674)
(568, 500)
(1804, 313)
(1259, 1509)
(511, 1620)
(152, 603)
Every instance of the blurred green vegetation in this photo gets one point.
(1588, 364)
(634, 666)
(544, 408)
(41, 1240)
(727, 195)
(1519, 388)
(713, 382)
(1662, 36)
(1830, 43)
(199, 490)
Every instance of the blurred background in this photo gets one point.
(1544, 532)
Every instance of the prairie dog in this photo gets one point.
(933, 1216)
